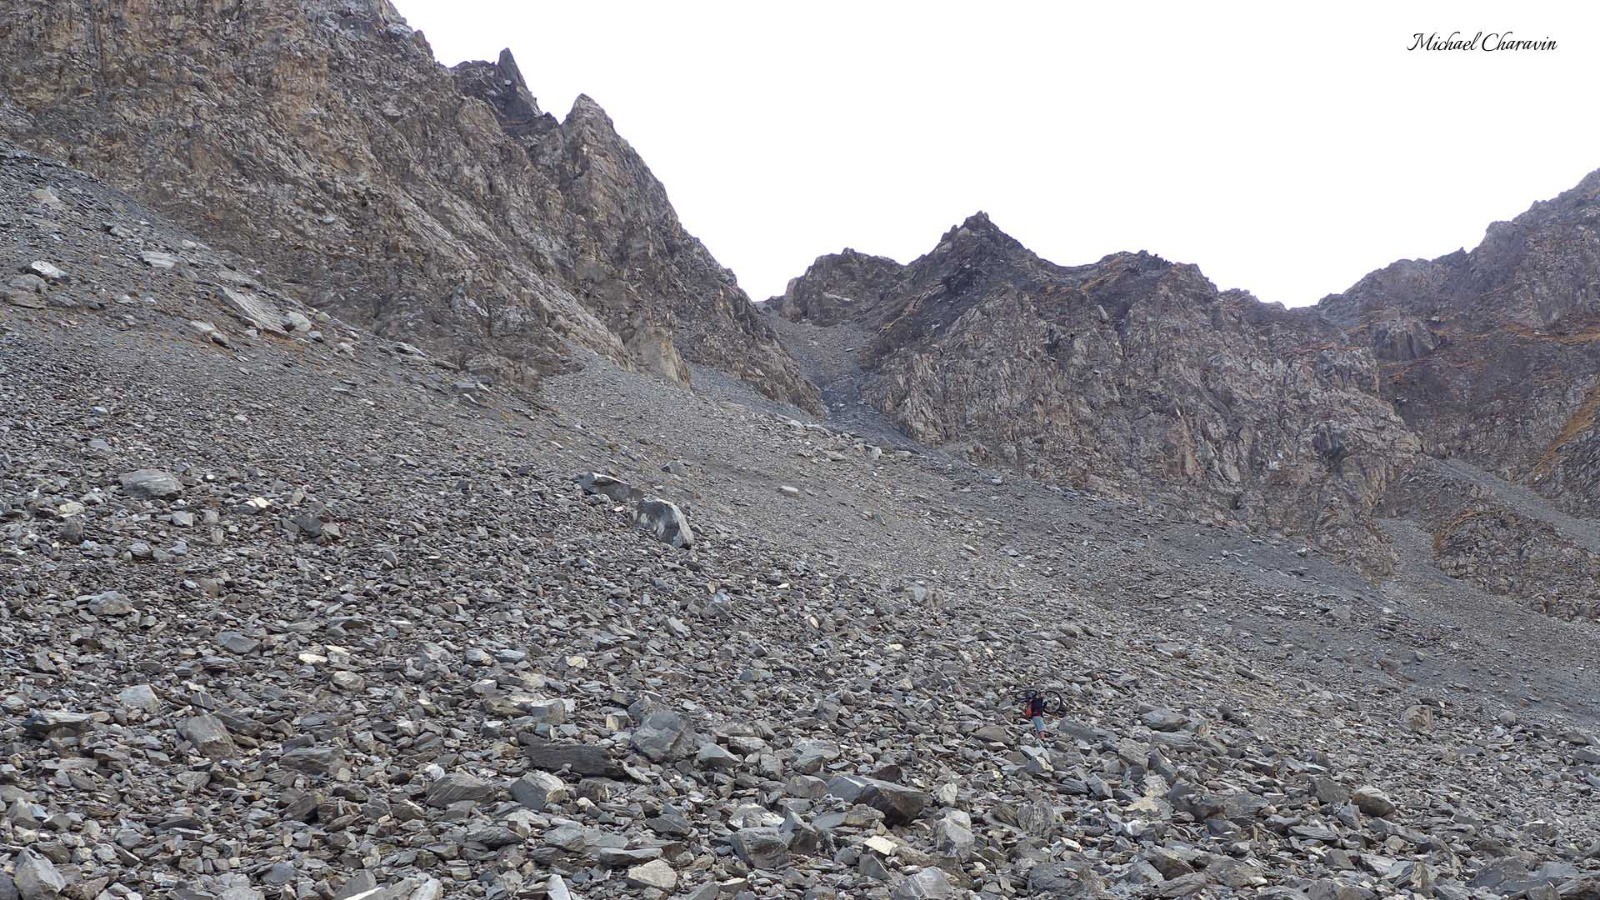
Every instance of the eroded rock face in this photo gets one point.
(1132, 377)
(1492, 355)
(447, 209)
(1504, 538)
(631, 260)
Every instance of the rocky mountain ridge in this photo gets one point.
(1132, 376)
(321, 138)
(1487, 355)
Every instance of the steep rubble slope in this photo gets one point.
(325, 652)
(1132, 377)
(321, 137)
(1494, 355)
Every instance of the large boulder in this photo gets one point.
(665, 520)
(663, 735)
(151, 484)
(580, 759)
(927, 884)
(761, 848)
(898, 803)
(1372, 801)
(208, 736)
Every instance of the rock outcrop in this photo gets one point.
(841, 287)
(322, 138)
(1132, 377)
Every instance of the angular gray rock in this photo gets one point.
(762, 847)
(537, 790)
(580, 759)
(458, 786)
(898, 803)
(37, 877)
(151, 484)
(108, 603)
(665, 520)
(1372, 801)
(208, 736)
(656, 873)
(663, 735)
(926, 884)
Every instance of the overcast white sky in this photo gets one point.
(1286, 149)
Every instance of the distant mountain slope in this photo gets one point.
(1133, 376)
(321, 137)
(1494, 354)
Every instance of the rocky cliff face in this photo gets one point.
(1492, 355)
(1132, 376)
(321, 137)
(632, 261)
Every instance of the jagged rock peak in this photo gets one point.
(501, 85)
(586, 107)
(979, 227)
